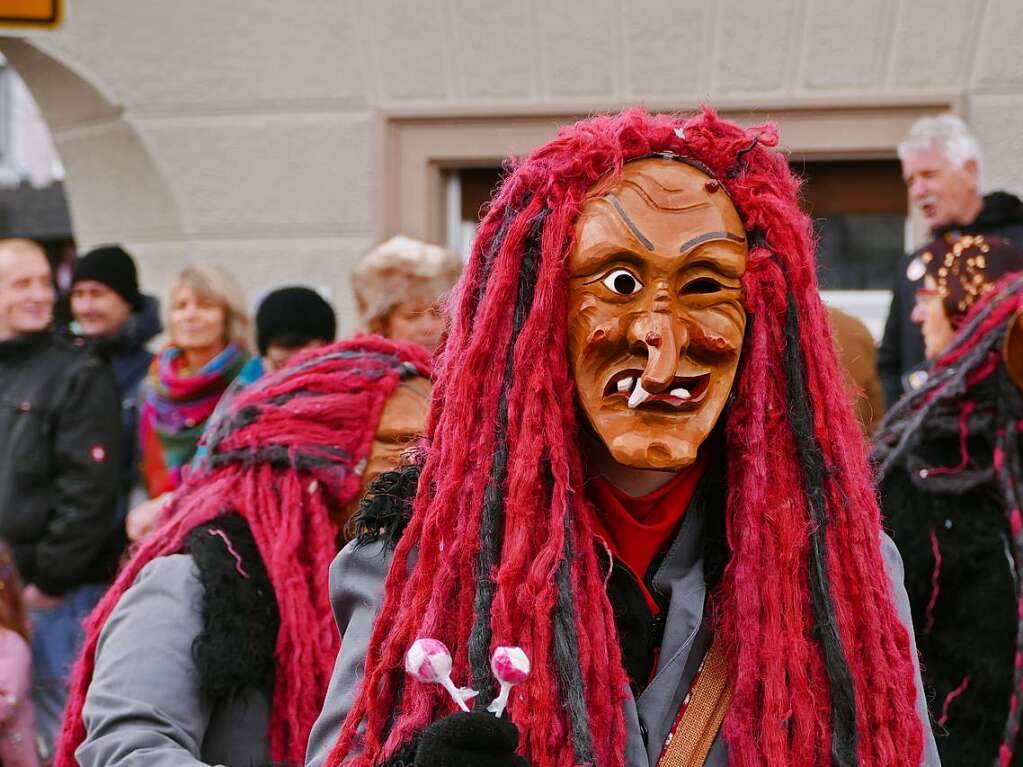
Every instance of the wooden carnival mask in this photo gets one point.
(655, 319)
(402, 420)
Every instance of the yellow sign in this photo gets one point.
(31, 14)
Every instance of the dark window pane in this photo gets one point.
(858, 251)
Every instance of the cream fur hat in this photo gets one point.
(401, 269)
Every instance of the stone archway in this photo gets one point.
(115, 190)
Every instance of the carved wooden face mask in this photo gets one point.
(402, 420)
(655, 319)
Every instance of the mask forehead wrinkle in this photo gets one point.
(671, 204)
(657, 196)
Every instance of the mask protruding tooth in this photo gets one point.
(639, 395)
(681, 392)
(625, 384)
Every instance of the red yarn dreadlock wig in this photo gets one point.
(820, 665)
(289, 453)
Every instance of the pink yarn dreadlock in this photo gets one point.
(287, 454)
(821, 667)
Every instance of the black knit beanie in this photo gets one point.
(292, 317)
(113, 266)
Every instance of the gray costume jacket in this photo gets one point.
(357, 584)
(143, 708)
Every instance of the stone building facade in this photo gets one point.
(283, 139)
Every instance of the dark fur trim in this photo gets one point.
(386, 509)
(235, 651)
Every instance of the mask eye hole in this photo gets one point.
(622, 282)
(701, 286)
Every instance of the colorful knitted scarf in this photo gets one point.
(177, 404)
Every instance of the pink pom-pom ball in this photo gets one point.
(428, 660)
(510, 664)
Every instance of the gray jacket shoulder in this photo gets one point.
(357, 578)
(896, 576)
(144, 706)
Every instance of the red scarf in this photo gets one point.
(637, 529)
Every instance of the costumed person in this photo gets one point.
(950, 480)
(642, 483)
(215, 644)
(209, 345)
(399, 287)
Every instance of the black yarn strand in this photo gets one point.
(844, 735)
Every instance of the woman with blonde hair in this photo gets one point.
(209, 344)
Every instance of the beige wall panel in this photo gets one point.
(219, 55)
(999, 60)
(997, 121)
(408, 48)
(754, 55)
(668, 47)
(268, 175)
(932, 43)
(494, 44)
(115, 191)
(581, 47)
(845, 45)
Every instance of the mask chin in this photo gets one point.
(661, 453)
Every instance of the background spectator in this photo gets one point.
(858, 359)
(59, 482)
(119, 321)
(17, 716)
(288, 321)
(399, 286)
(941, 164)
(209, 345)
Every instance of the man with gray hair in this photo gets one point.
(941, 165)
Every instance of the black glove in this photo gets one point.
(469, 740)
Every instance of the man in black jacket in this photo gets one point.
(941, 167)
(117, 321)
(59, 468)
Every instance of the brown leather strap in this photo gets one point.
(697, 727)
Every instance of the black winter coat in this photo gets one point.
(902, 347)
(129, 362)
(59, 462)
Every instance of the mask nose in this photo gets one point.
(659, 335)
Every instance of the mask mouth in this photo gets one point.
(684, 392)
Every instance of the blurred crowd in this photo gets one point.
(104, 419)
(99, 426)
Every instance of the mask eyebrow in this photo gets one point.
(629, 223)
(688, 245)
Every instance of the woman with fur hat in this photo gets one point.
(399, 286)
